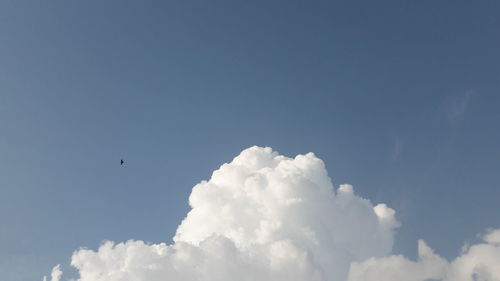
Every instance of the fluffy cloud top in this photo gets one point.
(264, 216)
(261, 217)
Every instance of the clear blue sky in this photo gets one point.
(399, 98)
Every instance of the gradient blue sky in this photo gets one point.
(399, 98)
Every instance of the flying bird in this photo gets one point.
(121, 162)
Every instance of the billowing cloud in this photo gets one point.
(267, 217)
(261, 217)
(480, 262)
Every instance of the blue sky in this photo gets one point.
(399, 98)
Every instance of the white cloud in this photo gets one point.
(261, 217)
(480, 262)
(398, 268)
(55, 275)
(267, 217)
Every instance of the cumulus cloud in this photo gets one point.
(428, 267)
(264, 216)
(55, 275)
(480, 262)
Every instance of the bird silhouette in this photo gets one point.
(121, 162)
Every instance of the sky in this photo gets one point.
(400, 99)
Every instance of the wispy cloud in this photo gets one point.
(458, 105)
(396, 149)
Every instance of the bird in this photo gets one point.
(121, 161)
